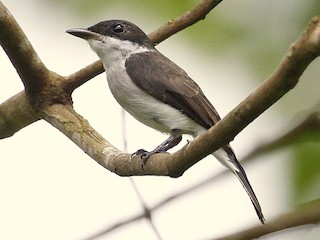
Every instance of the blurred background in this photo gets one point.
(50, 189)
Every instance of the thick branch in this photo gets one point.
(20, 51)
(91, 142)
(66, 119)
(42, 86)
(16, 113)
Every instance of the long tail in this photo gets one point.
(227, 157)
(241, 175)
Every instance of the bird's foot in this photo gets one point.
(137, 153)
(174, 138)
(145, 155)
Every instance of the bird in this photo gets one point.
(156, 91)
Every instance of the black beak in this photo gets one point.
(84, 33)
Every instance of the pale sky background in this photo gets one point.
(50, 189)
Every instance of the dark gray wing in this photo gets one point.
(168, 83)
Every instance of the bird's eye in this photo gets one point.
(118, 28)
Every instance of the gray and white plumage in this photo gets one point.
(155, 91)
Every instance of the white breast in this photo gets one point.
(139, 104)
(144, 107)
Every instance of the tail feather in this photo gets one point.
(227, 157)
(241, 175)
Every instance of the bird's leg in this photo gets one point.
(174, 138)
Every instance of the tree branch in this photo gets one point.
(309, 126)
(16, 113)
(308, 214)
(284, 78)
(20, 51)
(42, 87)
(48, 96)
(189, 18)
(307, 130)
(159, 205)
(115, 226)
(55, 90)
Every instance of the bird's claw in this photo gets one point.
(138, 152)
(144, 155)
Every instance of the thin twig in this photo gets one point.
(147, 212)
(115, 226)
(187, 19)
(308, 214)
(307, 130)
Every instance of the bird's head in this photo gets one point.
(114, 36)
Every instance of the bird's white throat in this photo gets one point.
(114, 50)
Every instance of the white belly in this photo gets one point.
(147, 109)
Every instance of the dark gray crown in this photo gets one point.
(123, 30)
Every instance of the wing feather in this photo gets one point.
(168, 83)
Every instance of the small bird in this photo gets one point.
(156, 91)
